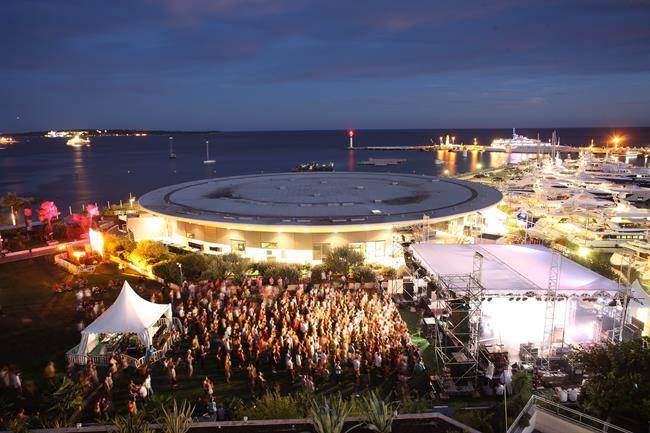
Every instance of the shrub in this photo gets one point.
(149, 252)
(223, 266)
(363, 274)
(273, 405)
(194, 265)
(341, 260)
(316, 272)
(290, 273)
(114, 244)
(168, 271)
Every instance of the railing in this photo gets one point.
(565, 413)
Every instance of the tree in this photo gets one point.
(619, 378)
(363, 274)
(150, 252)
(13, 201)
(114, 244)
(193, 265)
(48, 212)
(224, 266)
(341, 260)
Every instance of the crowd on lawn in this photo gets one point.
(307, 336)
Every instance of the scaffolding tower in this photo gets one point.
(458, 326)
(549, 314)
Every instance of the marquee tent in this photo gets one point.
(129, 314)
(512, 268)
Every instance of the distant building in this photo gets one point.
(299, 217)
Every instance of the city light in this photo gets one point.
(584, 252)
(616, 140)
(96, 241)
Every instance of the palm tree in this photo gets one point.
(379, 413)
(177, 419)
(328, 415)
(12, 201)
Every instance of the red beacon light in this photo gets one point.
(351, 133)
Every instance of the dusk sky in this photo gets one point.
(302, 64)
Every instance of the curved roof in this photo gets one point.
(320, 199)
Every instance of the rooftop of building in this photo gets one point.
(320, 199)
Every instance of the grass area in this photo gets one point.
(412, 320)
(39, 325)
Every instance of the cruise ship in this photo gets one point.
(520, 144)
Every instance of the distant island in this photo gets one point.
(107, 133)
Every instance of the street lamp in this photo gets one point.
(180, 268)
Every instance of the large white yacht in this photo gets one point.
(521, 144)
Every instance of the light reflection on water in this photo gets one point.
(113, 167)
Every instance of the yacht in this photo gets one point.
(78, 141)
(521, 144)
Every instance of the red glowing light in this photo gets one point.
(351, 133)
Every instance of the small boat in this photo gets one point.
(172, 155)
(632, 154)
(438, 161)
(207, 154)
(78, 141)
(313, 166)
(8, 140)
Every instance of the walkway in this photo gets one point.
(15, 256)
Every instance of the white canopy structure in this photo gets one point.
(512, 268)
(129, 314)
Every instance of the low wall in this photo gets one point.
(406, 423)
(61, 260)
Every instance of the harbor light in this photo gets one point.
(616, 140)
(446, 172)
(479, 166)
(351, 135)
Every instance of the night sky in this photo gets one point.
(302, 64)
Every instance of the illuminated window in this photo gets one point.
(320, 251)
(358, 246)
(375, 249)
(269, 245)
(237, 246)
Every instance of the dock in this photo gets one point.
(642, 151)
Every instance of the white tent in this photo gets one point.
(510, 268)
(129, 314)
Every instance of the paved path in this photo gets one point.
(15, 256)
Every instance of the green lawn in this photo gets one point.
(39, 325)
(413, 322)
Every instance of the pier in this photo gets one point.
(621, 151)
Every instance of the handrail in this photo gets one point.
(548, 405)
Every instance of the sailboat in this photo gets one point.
(207, 154)
(172, 155)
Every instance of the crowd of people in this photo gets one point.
(277, 337)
